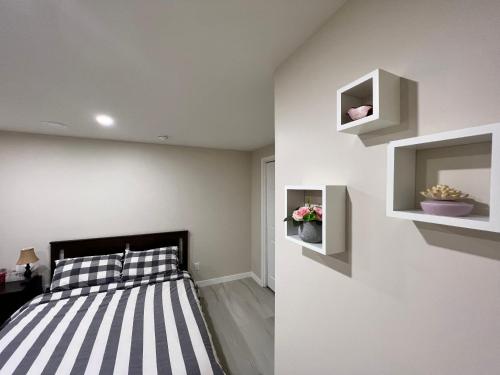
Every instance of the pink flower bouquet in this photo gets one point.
(309, 219)
(309, 212)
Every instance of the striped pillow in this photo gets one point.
(82, 272)
(149, 262)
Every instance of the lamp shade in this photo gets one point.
(27, 256)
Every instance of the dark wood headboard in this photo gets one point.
(110, 245)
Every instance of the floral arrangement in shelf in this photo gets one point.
(445, 201)
(309, 219)
(309, 212)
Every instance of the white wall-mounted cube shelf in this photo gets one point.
(333, 200)
(405, 166)
(379, 89)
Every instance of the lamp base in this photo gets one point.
(27, 273)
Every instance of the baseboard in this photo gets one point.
(256, 278)
(223, 279)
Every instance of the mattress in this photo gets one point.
(152, 325)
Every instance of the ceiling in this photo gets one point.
(199, 71)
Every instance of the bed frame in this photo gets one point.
(110, 245)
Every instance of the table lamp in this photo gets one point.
(27, 256)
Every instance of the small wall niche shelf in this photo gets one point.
(410, 167)
(379, 89)
(333, 200)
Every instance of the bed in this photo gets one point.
(149, 325)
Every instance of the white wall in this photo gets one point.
(257, 157)
(408, 298)
(59, 188)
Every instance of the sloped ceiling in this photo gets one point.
(199, 71)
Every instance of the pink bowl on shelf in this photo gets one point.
(356, 113)
(447, 208)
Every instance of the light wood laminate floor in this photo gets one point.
(240, 315)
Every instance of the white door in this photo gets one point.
(270, 223)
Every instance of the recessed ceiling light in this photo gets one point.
(163, 137)
(105, 120)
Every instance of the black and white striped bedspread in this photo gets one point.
(153, 326)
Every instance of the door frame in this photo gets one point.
(263, 219)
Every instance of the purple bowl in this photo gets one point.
(447, 208)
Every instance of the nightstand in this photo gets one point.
(14, 294)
